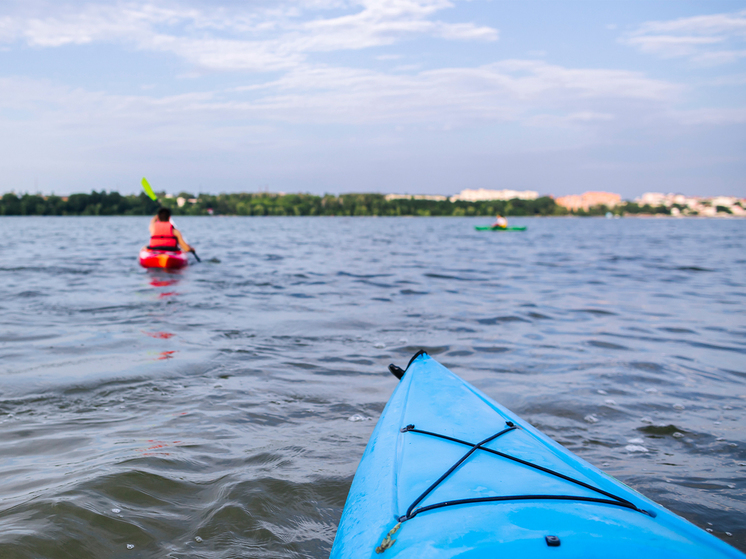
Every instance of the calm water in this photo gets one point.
(221, 412)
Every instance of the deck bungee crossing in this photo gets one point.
(448, 472)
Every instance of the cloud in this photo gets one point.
(382, 22)
(514, 91)
(252, 38)
(732, 23)
(92, 23)
(226, 54)
(534, 77)
(705, 40)
(670, 46)
(353, 116)
(282, 38)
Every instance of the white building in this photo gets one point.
(700, 205)
(482, 194)
(726, 201)
(668, 200)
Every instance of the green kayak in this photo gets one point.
(490, 228)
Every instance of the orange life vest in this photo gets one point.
(163, 236)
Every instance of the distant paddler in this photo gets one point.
(162, 230)
(163, 234)
(500, 222)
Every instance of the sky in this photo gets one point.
(391, 96)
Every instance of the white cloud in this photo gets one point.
(303, 103)
(509, 91)
(93, 23)
(529, 78)
(262, 39)
(283, 38)
(226, 54)
(733, 23)
(671, 46)
(703, 39)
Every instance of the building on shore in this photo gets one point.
(483, 194)
(434, 197)
(697, 205)
(586, 201)
(668, 200)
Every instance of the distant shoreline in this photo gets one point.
(568, 216)
(344, 205)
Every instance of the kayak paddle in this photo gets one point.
(148, 190)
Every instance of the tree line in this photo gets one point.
(264, 203)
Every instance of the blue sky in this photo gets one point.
(415, 96)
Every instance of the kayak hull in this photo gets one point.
(513, 509)
(164, 259)
(490, 228)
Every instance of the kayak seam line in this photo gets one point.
(619, 500)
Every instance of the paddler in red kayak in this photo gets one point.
(163, 234)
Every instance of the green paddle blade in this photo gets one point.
(148, 190)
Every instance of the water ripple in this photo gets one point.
(222, 411)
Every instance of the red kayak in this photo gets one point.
(168, 259)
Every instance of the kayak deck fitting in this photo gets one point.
(450, 473)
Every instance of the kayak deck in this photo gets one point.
(462, 476)
(166, 259)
